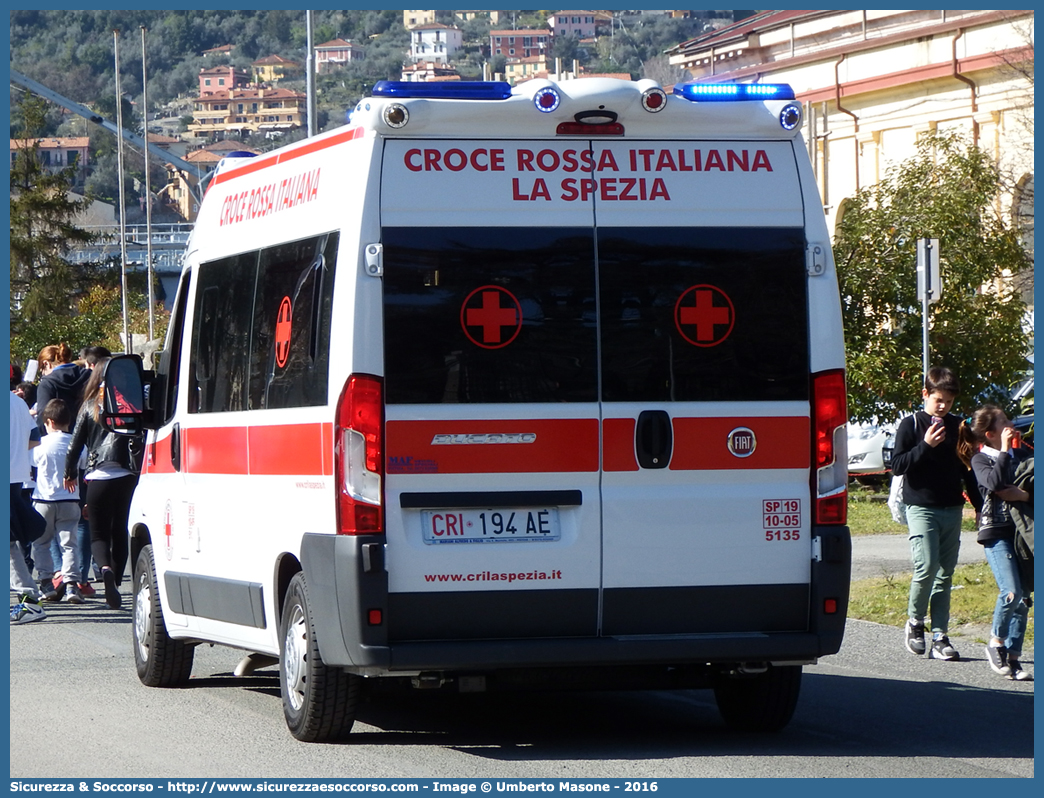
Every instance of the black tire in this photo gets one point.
(160, 660)
(762, 702)
(319, 702)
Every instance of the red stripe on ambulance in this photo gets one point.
(701, 444)
(618, 445)
(473, 447)
(256, 164)
(274, 450)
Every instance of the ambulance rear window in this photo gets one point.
(509, 314)
(703, 314)
(489, 314)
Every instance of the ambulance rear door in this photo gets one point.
(705, 388)
(491, 392)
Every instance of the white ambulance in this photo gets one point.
(505, 387)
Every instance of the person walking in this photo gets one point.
(113, 463)
(986, 446)
(59, 506)
(26, 523)
(89, 355)
(934, 481)
(62, 379)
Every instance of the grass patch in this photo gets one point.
(866, 517)
(868, 513)
(884, 599)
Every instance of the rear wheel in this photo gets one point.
(319, 702)
(762, 702)
(160, 660)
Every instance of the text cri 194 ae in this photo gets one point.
(605, 182)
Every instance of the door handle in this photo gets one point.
(175, 447)
(654, 439)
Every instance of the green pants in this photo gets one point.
(935, 542)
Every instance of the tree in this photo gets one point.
(660, 69)
(98, 317)
(949, 191)
(43, 225)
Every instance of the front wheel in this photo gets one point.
(762, 702)
(319, 702)
(160, 660)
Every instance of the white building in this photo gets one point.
(872, 81)
(435, 42)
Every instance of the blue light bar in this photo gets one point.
(449, 90)
(724, 92)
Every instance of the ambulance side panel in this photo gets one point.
(242, 473)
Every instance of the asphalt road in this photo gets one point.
(873, 710)
(880, 555)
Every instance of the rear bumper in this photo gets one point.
(347, 580)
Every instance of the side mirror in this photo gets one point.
(123, 411)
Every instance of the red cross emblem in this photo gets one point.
(704, 315)
(282, 332)
(491, 317)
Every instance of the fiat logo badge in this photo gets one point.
(742, 442)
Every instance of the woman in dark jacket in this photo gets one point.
(113, 463)
(62, 379)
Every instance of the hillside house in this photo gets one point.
(55, 153)
(412, 19)
(222, 78)
(519, 43)
(428, 72)
(244, 111)
(335, 53)
(578, 24)
(272, 68)
(435, 42)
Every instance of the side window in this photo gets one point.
(221, 334)
(169, 370)
(290, 348)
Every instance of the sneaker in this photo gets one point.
(941, 649)
(27, 612)
(72, 594)
(47, 591)
(915, 637)
(1017, 673)
(86, 589)
(112, 593)
(998, 659)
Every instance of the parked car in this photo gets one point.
(869, 450)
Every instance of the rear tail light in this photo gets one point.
(830, 447)
(359, 457)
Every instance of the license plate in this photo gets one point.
(490, 526)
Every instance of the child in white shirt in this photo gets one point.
(59, 507)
